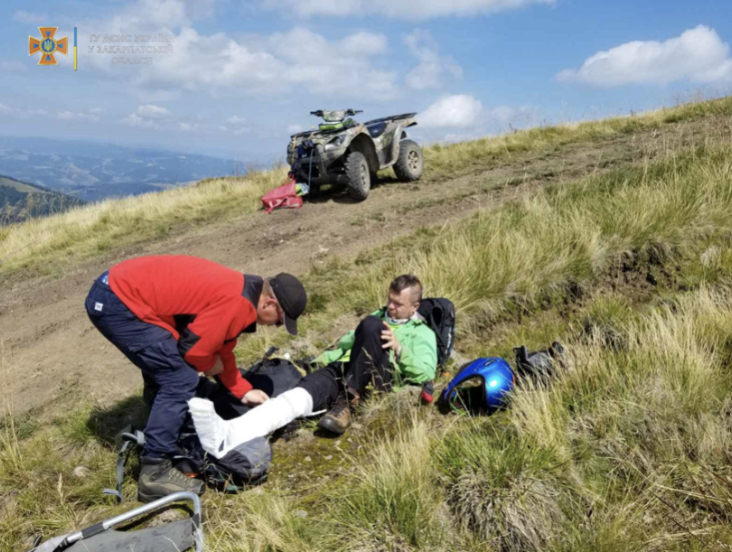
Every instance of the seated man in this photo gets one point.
(392, 346)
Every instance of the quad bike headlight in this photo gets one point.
(335, 142)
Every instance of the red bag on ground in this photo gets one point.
(283, 197)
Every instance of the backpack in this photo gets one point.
(539, 364)
(439, 313)
(243, 466)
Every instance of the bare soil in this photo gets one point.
(54, 355)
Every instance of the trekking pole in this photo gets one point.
(62, 543)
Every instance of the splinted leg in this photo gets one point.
(219, 436)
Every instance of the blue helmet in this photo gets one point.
(495, 379)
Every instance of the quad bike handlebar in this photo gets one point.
(348, 112)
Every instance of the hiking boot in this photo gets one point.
(158, 478)
(338, 418)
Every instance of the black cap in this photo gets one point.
(291, 296)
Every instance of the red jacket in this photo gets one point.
(203, 304)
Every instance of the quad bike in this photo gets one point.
(343, 151)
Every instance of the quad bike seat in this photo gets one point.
(376, 130)
(331, 126)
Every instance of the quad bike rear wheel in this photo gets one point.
(358, 176)
(410, 164)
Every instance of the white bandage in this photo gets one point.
(219, 436)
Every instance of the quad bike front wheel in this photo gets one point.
(358, 176)
(410, 164)
(314, 191)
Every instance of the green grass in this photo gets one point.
(554, 242)
(49, 245)
(627, 448)
(444, 161)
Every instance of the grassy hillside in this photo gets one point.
(626, 448)
(50, 244)
(20, 201)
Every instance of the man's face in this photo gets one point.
(402, 305)
(269, 312)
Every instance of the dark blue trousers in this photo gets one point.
(155, 352)
(369, 364)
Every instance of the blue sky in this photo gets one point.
(239, 77)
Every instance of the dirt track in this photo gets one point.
(53, 353)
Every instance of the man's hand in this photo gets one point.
(218, 367)
(254, 397)
(390, 340)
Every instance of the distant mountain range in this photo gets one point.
(20, 200)
(93, 171)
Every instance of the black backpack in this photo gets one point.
(439, 313)
(539, 364)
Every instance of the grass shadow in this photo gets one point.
(106, 423)
(339, 193)
(335, 193)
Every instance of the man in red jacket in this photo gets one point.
(176, 317)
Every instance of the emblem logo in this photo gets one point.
(48, 46)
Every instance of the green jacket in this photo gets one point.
(417, 363)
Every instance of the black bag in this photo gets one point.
(243, 466)
(274, 376)
(440, 316)
(539, 363)
(248, 463)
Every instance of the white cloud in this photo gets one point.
(432, 67)
(150, 111)
(31, 17)
(342, 67)
(462, 117)
(135, 120)
(71, 116)
(698, 55)
(299, 58)
(459, 111)
(64, 115)
(219, 64)
(402, 9)
(155, 117)
(236, 120)
(294, 129)
(148, 116)
(363, 43)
